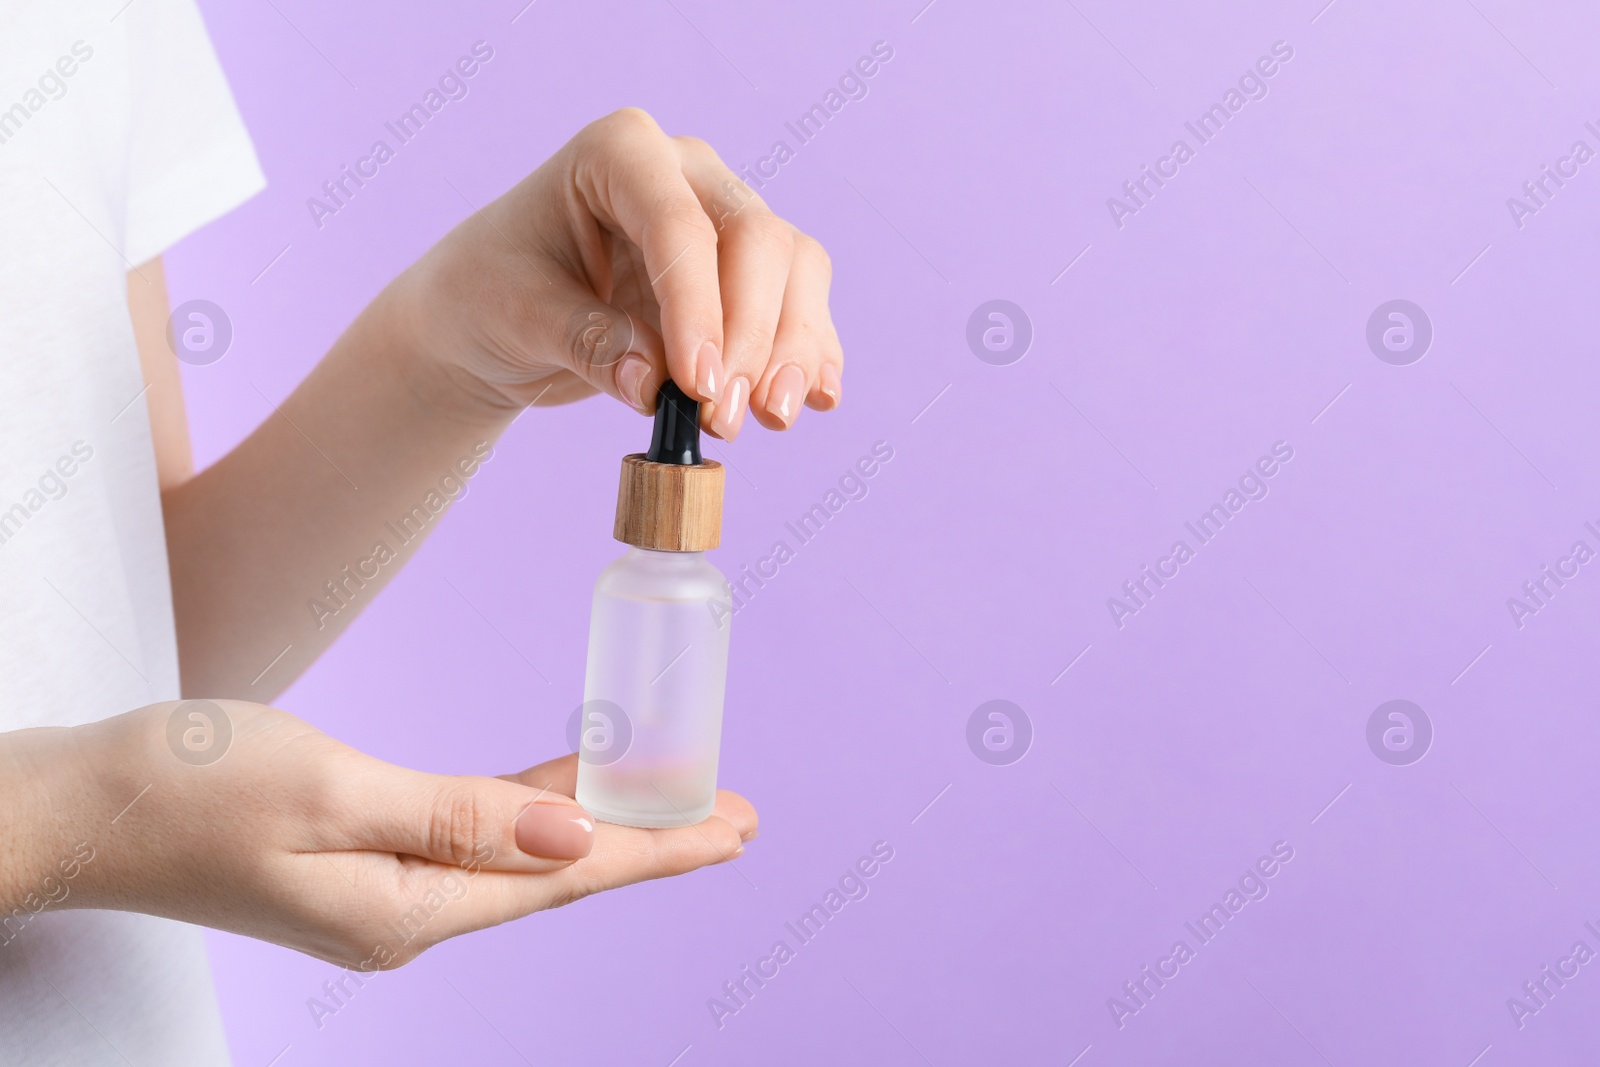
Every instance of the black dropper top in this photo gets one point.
(676, 438)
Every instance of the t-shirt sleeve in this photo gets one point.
(190, 159)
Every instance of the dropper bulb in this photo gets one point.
(676, 436)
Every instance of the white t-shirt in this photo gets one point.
(118, 137)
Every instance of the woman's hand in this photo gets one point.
(241, 817)
(629, 255)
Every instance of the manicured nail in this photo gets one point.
(555, 831)
(751, 836)
(785, 394)
(729, 412)
(830, 388)
(708, 372)
(630, 378)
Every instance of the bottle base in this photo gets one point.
(651, 820)
(655, 795)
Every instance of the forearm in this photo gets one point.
(275, 548)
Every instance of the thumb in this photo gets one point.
(614, 351)
(467, 821)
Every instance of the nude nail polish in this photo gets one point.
(630, 377)
(555, 831)
(708, 372)
(786, 392)
(651, 722)
(729, 412)
(829, 385)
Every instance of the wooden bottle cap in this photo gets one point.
(669, 507)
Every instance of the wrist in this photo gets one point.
(50, 798)
(432, 340)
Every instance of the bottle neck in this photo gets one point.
(653, 554)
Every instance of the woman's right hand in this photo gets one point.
(241, 817)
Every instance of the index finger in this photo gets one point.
(628, 171)
(559, 775)
(623, 855)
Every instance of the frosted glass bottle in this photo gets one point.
(651, 722)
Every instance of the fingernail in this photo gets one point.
(555, 831)
(708, 372)
(737, 853)
(751, 836)
(786, 392)
(729, 412)
(830, 387)
(630, 377)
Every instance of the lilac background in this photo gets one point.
(1176, 750)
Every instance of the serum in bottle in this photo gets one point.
(651, 722)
